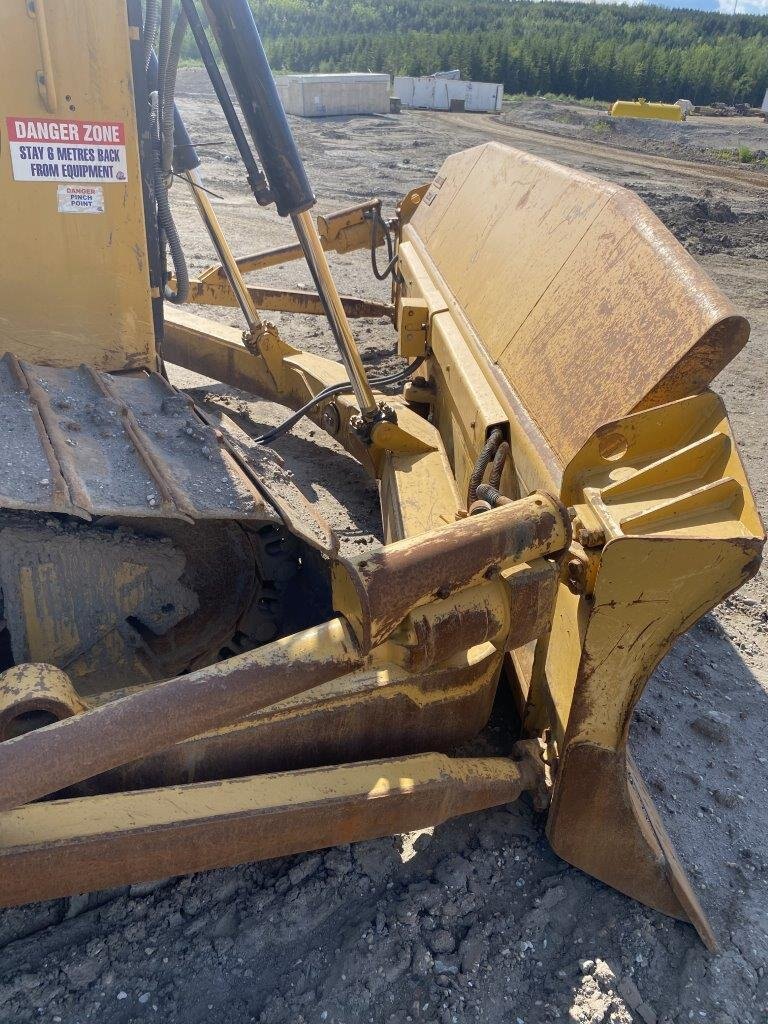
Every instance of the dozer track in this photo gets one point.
(134, 542)
(91, 444)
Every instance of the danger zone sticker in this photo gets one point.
(46, 149)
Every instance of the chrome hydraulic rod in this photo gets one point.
(226, 258)
(334, 311)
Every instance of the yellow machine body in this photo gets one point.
(643, 108)
(68, 84)
(557, 320)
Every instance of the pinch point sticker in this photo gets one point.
(80, 198)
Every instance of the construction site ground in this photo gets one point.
(478, 920)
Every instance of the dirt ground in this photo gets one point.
(478, 921)
(714, 140)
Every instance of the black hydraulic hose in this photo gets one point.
(330, 392)
(149, 31)
(169, 232)
(483, 461)
(377, 219)
(497, 468)
(160, 177)
(167, 102)
(256, 179)
(168, 228)
(163, 56)
(185, 156)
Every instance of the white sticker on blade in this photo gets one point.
(46, 149)
(81, 198)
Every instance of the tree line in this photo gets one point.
(585, 50)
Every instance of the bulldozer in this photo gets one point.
(193, 674)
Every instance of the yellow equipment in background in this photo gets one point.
(192, 674)
(642, 108)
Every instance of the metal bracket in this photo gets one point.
(46, 84)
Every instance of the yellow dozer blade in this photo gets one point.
(560, 310)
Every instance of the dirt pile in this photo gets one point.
(706, 225)
(703, 139)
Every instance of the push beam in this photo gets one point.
(153, 719)
(68, 846)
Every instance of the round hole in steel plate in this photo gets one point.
(613, 446)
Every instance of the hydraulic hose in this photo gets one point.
(167, 103)
(377, 219)
(497, 467)
(170, 235)
(161, 176)
(168, 228)
(163, 54)
(330, 392)
(483, 461)
(486, 492)
(151, 20)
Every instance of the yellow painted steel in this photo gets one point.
(57, 848)
(35, 689)
(412, 466)
(551, 307)
(642, 108)
(75, 286)
(342, 232)
(559, 285)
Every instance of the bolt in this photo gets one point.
(331, 420)
(590, 538)
(577, 576)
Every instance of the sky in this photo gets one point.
(723, 6)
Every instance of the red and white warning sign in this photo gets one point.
(46, 149)
(80, 198)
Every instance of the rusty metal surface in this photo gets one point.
(127, 603)
(67, 846)
(603, 821)
(150, 720)
(380, 711)
(60, 755)
(28, 690)
(648, 591)
(74, 596)
(439, 630)
(275, 482)
(431, 687)
(574, 288)
(93, 444)
(579, 310)
(375, 592)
